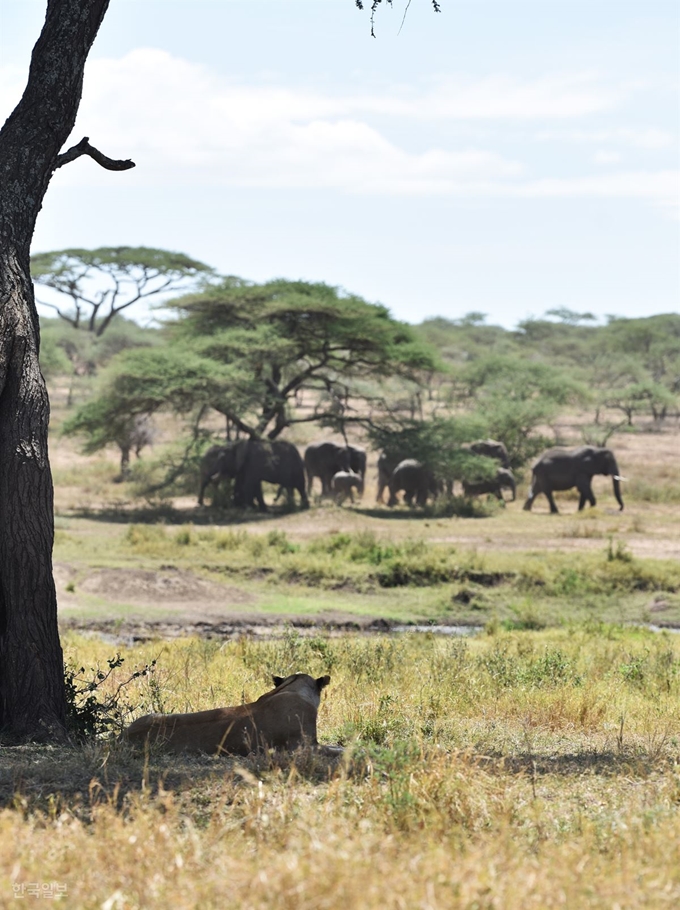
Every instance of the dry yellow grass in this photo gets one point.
(531, 770)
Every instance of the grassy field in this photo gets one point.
(122, 558)
(508, 770)
(534, 764)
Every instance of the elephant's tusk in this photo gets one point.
(619, 477)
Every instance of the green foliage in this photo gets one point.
(279, 338)
(514, 396)
(619, 552)
(54, 360)
(101, 422)
(519, 379)
(93, 707)
(278, 540)
(654, 669)
(142, 382)
(549, 669)
(437, 443)
(640, 398)
(462, 340)
(631, 365)
(69, 352)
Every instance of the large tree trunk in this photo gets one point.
(32, 702)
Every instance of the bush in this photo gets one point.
(90, 710)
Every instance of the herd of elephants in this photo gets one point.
(341, 469)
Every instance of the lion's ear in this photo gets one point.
(277, 680)
(322, 682)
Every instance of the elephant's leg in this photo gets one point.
(533, 492)
(261, 504)
(304, 501)
(551, 499)
(240, 498)
(587, 495)
(591, 495)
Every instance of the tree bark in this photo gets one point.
(32, 701)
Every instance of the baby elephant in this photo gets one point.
(342, 484)
(503, 479)
(416, 480)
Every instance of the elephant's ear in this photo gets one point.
(610, 461)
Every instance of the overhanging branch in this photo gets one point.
(84, 148)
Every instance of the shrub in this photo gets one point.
(90, 710)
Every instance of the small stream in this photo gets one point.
(131, 632)
(440, 630)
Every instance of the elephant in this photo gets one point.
(357, 460)
(215, 466)
(252, 461)
(324, 460)
(342, 484)
(490, 448)
(562, 469)
(386, 466)
(504, 479)
(415, 479)
(133, 437)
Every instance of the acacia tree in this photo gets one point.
(32, 701)
(247, 351)
(101, 283)
(288, 336)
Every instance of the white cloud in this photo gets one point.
(605, 157)
(183, 124)
(636, 138)
(660, 187)
(561, 97)
(179, 122)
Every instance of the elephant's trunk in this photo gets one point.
(617, 490)
(513, 487)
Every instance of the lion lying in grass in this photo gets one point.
(284, 718)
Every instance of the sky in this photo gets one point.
(502, 156)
